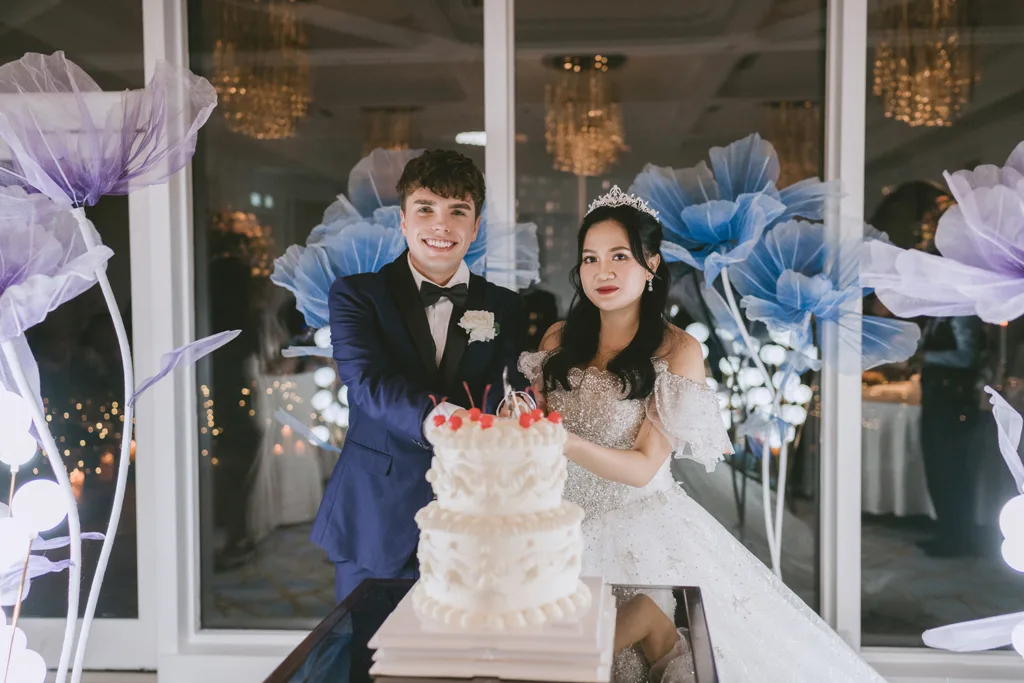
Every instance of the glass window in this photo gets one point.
(603, 89)
(306, 90)
(933, 479)
(79, 363)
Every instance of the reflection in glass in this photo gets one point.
(933, 478)
(310, 88)
(661, 84)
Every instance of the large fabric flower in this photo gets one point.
(308, 272)
(66, 148)
(793, 278)
(361, 232)
(981, 242)
(713, 217)
(44, 261)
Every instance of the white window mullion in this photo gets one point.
(841, 393)
(500, 124)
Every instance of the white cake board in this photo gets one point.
(578, 651)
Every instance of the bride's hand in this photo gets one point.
(572, 442)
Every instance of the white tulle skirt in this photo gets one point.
(761, 631)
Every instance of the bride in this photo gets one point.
(631, 390)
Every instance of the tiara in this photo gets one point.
(617, 197)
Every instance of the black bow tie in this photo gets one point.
(431, 293)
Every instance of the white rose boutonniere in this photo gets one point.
(480, 325)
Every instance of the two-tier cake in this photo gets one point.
(499, 548)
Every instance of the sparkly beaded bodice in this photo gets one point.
(646, 538)
(595, 411)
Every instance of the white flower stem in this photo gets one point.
(74, 527)
(128, 412)
(773, 528)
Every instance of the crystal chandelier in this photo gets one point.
(260, 68)
(924, 62)
(794, 129)
(582, 124)
(391, 128)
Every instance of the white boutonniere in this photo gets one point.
(480, 325)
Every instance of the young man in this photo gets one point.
(399, 347)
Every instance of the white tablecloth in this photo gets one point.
(289, 476)
(893, 478)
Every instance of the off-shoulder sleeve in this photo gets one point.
(687, 413)
(531, 364)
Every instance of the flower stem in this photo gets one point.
(773, 528)
(128, 412)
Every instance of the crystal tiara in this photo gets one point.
(616, 197)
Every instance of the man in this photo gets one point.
(950, 412)
(399, 347)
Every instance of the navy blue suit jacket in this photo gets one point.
(385, 356)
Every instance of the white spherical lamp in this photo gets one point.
(39, 505)
(1011, 518)
(17, 448)
(321, 400)
(1017, 638)
(15, 413)
(1013, 553)
(28, 666)
(324, 377)
(322, 337)
(14, 542)
(323, 433)
(698, 331)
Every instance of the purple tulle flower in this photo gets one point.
(185, 356)
(44, 262)
(67, 148)
(981, 242)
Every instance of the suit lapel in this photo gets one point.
(407, 299)
(458, 338)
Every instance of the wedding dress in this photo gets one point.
(657, 536)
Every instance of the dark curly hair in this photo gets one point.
(582, 329)
(444, 172)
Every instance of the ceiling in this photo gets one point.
(697, 74)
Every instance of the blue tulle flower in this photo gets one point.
(308, 272)
(361, 232)
(793, 278)
(713, 219)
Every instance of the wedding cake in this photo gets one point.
(499, 548)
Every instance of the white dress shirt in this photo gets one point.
(439, 315)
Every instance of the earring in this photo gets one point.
(650, 284)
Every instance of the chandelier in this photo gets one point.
(250, 241)
(794, 129)
(924, 62)
(261, 70)
(582, 123)
(391, 128)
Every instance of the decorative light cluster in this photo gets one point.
(743, 391)
(36, 506)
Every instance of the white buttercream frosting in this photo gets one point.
(499, 470)
(499, 548)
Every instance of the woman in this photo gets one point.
(632, 390)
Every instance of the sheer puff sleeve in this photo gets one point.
(687, 413)
(531, 365)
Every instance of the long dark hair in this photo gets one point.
(578, 345)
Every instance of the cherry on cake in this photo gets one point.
(499, 548)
